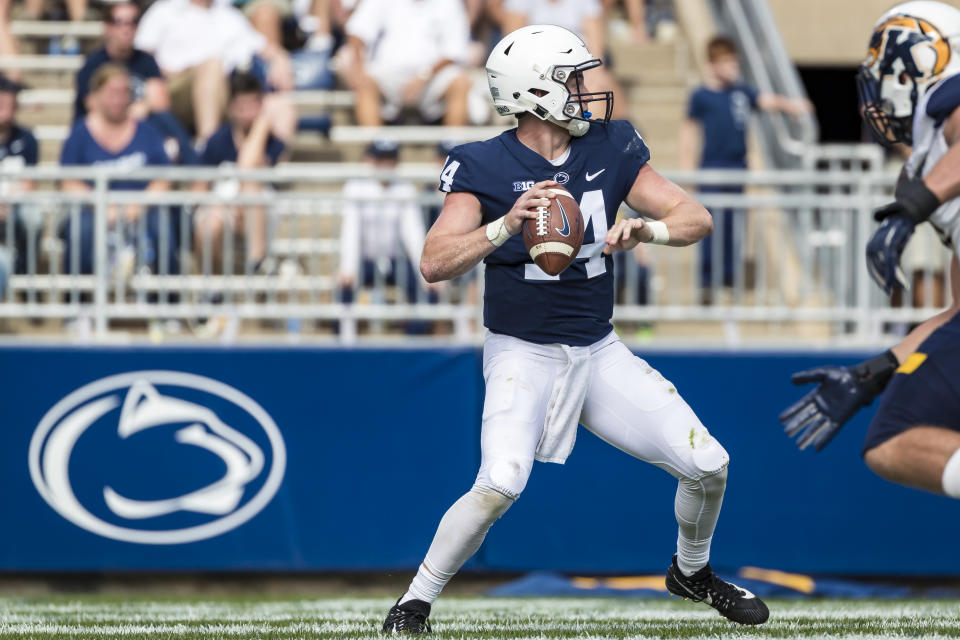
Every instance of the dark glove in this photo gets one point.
(884, 250)
(840, 394)
(914, 204)
(913, 200)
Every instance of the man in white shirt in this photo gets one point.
(382, 233)
(197, 43)
(409, 53)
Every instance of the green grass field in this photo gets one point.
(458, 617)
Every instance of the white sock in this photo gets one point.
(459, 535)
(426, 585)
(697, 507)
(951, 476)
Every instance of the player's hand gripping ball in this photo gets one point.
(555, 235)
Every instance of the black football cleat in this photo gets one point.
(731, 601)
(410, 617)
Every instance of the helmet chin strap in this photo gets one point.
(577, 128)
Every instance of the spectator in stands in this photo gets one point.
(381, 235)
(76, 11)
(8, 43)
(279, 20)
(244, 141)
(18, 148)
(583, 17)
(110, 136)
(409, 53)
(151, 98)
(721, 110)
(197, 44)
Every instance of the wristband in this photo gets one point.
(497, 232)
(874, 374)
(918, 201)
(660, 233)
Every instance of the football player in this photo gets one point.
(909, 89)
(551, 358)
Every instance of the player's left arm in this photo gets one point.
(678, 219)
(916, 199)
(944, 178)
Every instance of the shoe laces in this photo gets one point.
(405, 619)
(726, 592)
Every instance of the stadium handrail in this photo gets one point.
(52, 28)
(27, 62)
(310, 98)
(344, 134)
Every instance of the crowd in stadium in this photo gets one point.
(210, 82)
(206, 82)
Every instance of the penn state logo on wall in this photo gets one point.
(157, 457)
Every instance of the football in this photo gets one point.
(554, 237)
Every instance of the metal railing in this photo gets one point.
(785, 263)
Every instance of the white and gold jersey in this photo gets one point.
(932, 111)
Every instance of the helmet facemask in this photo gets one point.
(578, 101)
(887, 126)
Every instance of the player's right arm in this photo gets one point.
(458, 241)
(841, 391)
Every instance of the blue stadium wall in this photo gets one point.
(312, 459)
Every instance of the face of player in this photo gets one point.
(112, 101)
(120, 29)
(8, 109)
(726, 68)
(244, 110)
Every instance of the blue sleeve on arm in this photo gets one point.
(213, 153)
(945, 99)
(31, 151)
(694, 106)
(275, 149)
(150, 68)
(72, 152)
(752, 95)
(631, 153)
(82, 83)
(457, 173)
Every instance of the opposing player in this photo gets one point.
(910, 93)
(551, 358)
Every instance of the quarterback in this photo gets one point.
(551, 359)
(910, 93)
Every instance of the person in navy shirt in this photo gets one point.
(245, 141)
(18, 149)
(151, 97)
(110, 136)
(721, 109)
(551, 359)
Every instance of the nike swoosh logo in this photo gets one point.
(591, 177)
(566, 223)
(694, 596)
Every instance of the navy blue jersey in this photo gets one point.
(724, 116)
(221, 148)
(520, 299)
(19, 144)
(144, 149)
(141, 65)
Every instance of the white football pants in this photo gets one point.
(628, 404)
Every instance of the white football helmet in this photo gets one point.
(913, 45)
(529, 69)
